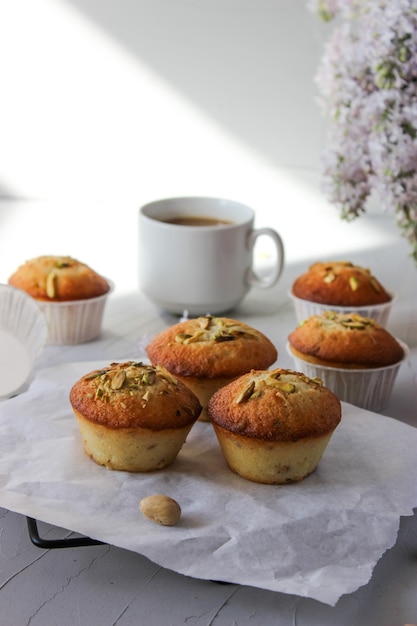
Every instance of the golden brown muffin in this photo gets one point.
(340, 283)
(274, 425)
(208, 352)
(346, 340)
(132, 416)
(58, 279)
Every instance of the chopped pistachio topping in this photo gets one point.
(284, 382)
(284, 386)
(181, 337)
(214, 329)
(118, 380)
(375, 285)
(354, 325)
(246, 392)
(205, 321)
(329, 277)
(354, 283)
(148, 377)
(146, 395)
(51, 285)
(133, 377)
(352, 321)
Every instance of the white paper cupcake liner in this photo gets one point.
(378, 312)
(76, 321)
(367, 388)
(23, 333)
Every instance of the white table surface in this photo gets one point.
(107, 585)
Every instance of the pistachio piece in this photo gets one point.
(318, 381)
(331, 315)
(146, 395)
(284, 386)
(246, 393)
(354, 283)
(275, 374)
(148, 377)
(329, 277)
(223, 337)
(161, 509)
(205, 322)
(167, 378)
(374, 284)
(118, 379)
(181, 337)
(353, 325)
(199, 335)
(51, 285)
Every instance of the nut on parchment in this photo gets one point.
(161, 509)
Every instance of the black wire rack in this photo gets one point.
(69, 542)
(51, 544)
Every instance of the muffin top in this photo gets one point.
(211, 347)
(275, 405)
(58, 279)
(131, 394)
(340, 283)
(345, 340)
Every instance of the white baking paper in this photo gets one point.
(319, 538)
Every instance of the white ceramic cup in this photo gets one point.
(206, 268)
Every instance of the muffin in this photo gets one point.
(341, 286)
(208, 352)
(133, 417)
(71, 295)
(58, 279)
(357, 358)
(273, 426)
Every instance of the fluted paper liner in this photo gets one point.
(379, 312)
(367, 388)
(23, 333)
(75, 321)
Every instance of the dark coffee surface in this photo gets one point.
(195, 220)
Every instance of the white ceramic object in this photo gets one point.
(202, 269)
(378, 312)
(75, 321)
(367, 388)
(23, 333)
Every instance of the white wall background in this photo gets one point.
(108, 104)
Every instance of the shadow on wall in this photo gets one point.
(121, 102)
(248, 64)
(6, 193)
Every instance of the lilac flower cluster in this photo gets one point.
(368, 86)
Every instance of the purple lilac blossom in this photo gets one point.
(367, 81)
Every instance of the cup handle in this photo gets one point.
(264, 282)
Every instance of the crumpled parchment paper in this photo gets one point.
(319, 538)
